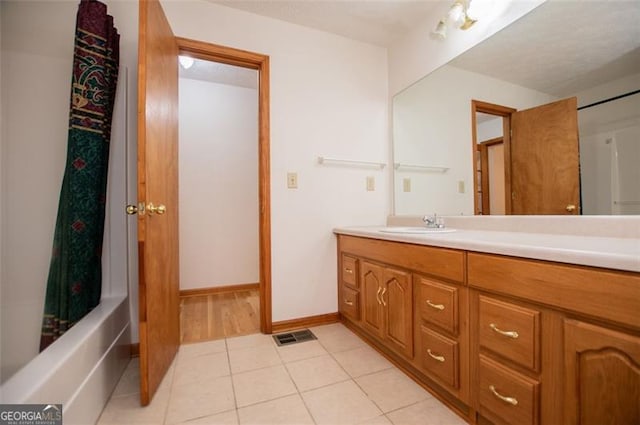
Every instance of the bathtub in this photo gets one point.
(81, 369)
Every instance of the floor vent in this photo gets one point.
(294, 337)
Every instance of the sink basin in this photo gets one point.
(416, 230)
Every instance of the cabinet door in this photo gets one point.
(602, 375)
(397, 300)
(372, 310)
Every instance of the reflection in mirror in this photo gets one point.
(537, 60)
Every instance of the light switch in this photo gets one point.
(371, 183)
(406, 184)
(292, 180)
(460, 186)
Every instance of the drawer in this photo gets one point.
(439, 304)
(507, 395)
(349, 270)
(350, 306)
(510, 331)
(440, 357)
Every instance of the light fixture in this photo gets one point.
(185, 61)
(457, 17)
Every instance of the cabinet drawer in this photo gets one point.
(440, 357)
(510, 330)
(349, 271)
(507, 395)
(439, 304)
(350, 306)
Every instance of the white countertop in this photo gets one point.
(608, 252)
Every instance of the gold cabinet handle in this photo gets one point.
(436, 306)
(510, 334)
(347, 302)
(382, 297)
(378, 295)
(434, 356)
(511, 400)
(570, 208)
(348, 270)
(157, 209)
(131, 209)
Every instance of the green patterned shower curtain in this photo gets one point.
(75, 272)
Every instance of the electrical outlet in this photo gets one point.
(460, 186)
(406, 184)
(292, 180)
(371, 183)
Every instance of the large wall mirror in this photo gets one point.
(577, 60)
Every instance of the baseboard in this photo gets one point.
(198, 292)
(135, 350)
(305, 322)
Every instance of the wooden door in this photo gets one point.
(602, 375)
(397, 300)
(371, 283)
(157, 189)
(544, 158)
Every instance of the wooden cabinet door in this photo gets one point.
(602, 375)
(397, 301)
(371, 281)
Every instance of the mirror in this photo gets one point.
(590, 50)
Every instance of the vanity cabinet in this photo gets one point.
(348, 287)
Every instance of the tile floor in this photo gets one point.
(335, 380)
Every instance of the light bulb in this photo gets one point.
(185, 61)
(456, 14)
(440, 33)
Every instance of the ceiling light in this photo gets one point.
(440, 33)
(457, 17)
(185, 61)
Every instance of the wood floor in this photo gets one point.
(221, 315)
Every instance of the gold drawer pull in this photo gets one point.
(510, 334)
(378, 294)
(382, 297)
(347, 302)
(348, 270)
(436, 306)
(511, 400)
(435, 357)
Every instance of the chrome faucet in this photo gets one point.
(433, 222)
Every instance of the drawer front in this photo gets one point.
(440, 357)
(507, 395)
(510, 331)
(439, 304)
(349, 270)
(350, 306)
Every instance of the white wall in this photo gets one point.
(218, 184)
(328, 97)
(418, 54)
(37, 51)
(432, 127)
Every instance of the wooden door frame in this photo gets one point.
(259, 62)
(504, 112)
(483, 148)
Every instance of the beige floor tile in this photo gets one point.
(339, 338)
(230, 417)
(319, 331)
(380, 420)
(252, 358)
(391, 389)
(130, 380)
(200, 398)
(247, 341)
(127, 410)
(299, 351)
(362, 361)
(262, 385)
(340, 404)
(188, 351)
(428, 412)
(316, 372)
(288, 410)
(201, 368)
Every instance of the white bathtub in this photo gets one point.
(80, 370)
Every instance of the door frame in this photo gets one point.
(259, 62)
(504, 112)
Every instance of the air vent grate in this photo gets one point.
(294, 337)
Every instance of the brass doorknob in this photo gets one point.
(157, 209)
(570, 208)
(131, 209)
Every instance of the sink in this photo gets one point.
(416, 230)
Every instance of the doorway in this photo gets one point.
(247, 61)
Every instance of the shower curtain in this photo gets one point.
(75, 273)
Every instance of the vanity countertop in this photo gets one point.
(607, 252)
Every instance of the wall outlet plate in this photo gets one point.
(292, 180)
(371, 183)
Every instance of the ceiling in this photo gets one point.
(220, 73)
